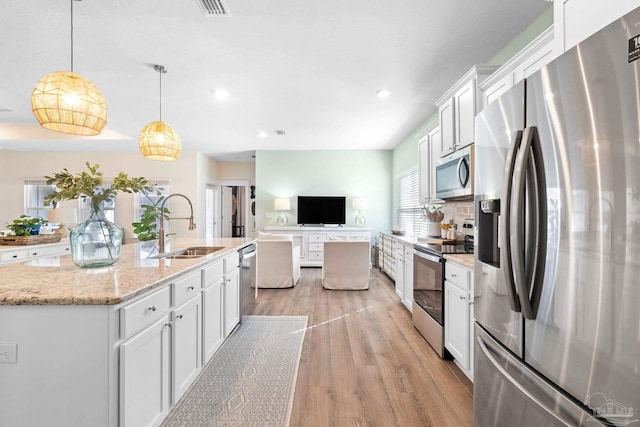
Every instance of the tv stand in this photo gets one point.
(311, 239)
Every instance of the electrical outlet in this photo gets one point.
(8, 353)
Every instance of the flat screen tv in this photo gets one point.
(321, 210)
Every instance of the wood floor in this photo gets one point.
(363, 363)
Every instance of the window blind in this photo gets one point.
(409, 212)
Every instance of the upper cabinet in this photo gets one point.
(458, 108)
(430, 148)
(526, 62)
(575, 20)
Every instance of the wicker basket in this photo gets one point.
(29, 240)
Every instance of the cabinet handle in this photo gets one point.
(462, 297)
(179, 316)
(190, 288)
(34, 254)
(152, 308)
(14, 256)
(470, 302)
(169, 324)
(453, 275)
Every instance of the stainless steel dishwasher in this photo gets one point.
(248, 289)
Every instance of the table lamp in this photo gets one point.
(360, 204)
(66, 217)
(282, 204)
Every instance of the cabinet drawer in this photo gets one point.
(314, 238)
(316, 247)
(408, 252)
(212, 274)
(316, 255)
(45, 251)
(186, 288)
(457, 276)
(398, 248)
(13, 255)
(137, 315)
(231, 262)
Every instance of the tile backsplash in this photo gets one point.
(458, 211)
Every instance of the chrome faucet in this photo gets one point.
(161, 234)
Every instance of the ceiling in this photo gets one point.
(309, 68)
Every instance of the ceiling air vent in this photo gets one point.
(213, 8)
(280, 132)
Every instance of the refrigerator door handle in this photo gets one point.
(505, 258)
(529, 169)
(489, 354)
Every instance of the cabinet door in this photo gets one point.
(447, 127)
(408, 283)
(231, 295)
(465, 113)
(456, 321)
(186, 346)
(144, 376)
(435, 148)
(399, 277)
(212, 321)
(424, 170)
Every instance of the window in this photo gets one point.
(409, 209)
(34, 194)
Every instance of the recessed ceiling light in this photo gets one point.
(220, 94)
(262, 134)
(383, 93)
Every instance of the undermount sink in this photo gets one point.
(190, 252)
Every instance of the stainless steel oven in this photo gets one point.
(428, 297)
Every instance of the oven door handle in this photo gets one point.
(426, 256)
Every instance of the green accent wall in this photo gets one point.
(350, 173)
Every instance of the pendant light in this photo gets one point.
(69, 103)
(158, 140)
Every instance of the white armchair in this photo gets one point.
(278, 261)
(346, 264)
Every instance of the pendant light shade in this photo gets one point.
(158, 140)
(67, 102)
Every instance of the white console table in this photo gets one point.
(311, 240)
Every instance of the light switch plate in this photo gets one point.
(8, 353)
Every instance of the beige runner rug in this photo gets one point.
(251, 379)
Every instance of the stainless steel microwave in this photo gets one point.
(454, 175)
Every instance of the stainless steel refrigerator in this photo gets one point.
(557, 272)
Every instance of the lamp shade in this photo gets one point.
(282, 204)
(69, 103)
(158, 141)
(63, 215)
(360, 203)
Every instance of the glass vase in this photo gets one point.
(97, 241)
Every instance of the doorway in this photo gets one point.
(227, 210)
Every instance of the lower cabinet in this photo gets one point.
(408, 277)
(212, 321)
(458, 316)
(231, 293)
(144, 376)
(186, 342)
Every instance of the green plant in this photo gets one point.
(147, 227)
(26, 225)
(88, 184)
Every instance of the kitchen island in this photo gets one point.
(116, 345)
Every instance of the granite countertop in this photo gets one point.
(56, 280)
(465, 260)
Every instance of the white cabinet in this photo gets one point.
(458, 316)
(526, 62)
(231, 293)
(576, 20)
(212, 310)
(144, 376)
(458, 107)
(430, 150)
(408, 277)
(398, 254)
(311, 240)
(186, 342)
(9, 254)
